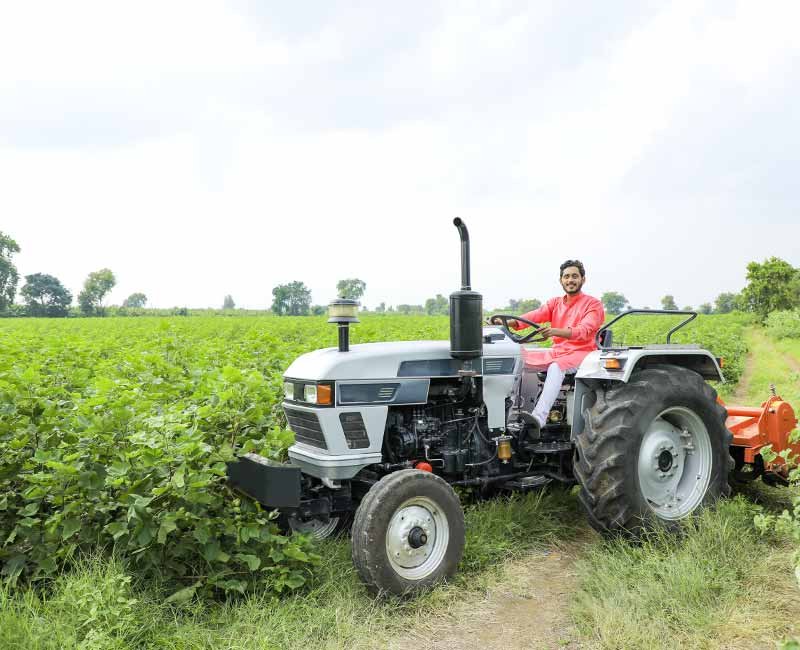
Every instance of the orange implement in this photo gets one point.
(753, 428)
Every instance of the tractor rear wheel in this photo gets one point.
(654, 449)
(408, 533)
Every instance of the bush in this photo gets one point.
(784, 324)
(122, 442)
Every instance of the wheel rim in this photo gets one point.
(317, 528)
(675, 463)
(416, 538)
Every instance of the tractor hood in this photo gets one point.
(395, 359)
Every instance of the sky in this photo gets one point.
(200, 149)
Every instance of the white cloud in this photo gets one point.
(199, 151)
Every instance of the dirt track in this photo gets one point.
(528, 608)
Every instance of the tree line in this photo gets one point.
(773, 285)
(45, 295)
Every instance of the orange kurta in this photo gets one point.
(583, 314)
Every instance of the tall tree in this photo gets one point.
(352, 288)
(95, 288)
(614, 302)
(45, 296)
(705, 308)
(293, 299)
(668, 302)
(228, 302)
(438, 306)
(771, 286)
(135, 301)
(8, 272)
(726, 302)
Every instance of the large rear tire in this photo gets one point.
(654, 449)
(408, 533)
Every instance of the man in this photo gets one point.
(574, 320)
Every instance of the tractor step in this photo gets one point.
(527, 482)
(555, 447)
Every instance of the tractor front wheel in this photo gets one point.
(653, 450)
(408, 533)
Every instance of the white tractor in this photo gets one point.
(385, 431)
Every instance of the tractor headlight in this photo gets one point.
(288, 390)
(319, 394)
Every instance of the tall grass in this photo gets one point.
(716, 584)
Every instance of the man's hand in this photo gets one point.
(549, 332)
(512, 324)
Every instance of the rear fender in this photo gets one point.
(593, 369)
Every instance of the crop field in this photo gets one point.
(114, 434)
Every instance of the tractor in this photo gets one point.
(385, 432)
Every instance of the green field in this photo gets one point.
(113, 438)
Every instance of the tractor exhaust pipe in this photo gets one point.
(466, 310)
(464, 234)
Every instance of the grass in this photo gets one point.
(719, 583)
(98, 606)
(773, 366)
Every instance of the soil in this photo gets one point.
(743, 387)
(528, 608)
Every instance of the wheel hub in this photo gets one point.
(665, 461)
(416, 538)
(674, 467)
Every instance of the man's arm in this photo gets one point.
(540, 315)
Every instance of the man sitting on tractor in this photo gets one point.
(574, 321)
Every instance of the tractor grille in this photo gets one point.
(306, 427)
(354, 431)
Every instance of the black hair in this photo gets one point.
(576, 263)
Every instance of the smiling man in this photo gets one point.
(574, 319)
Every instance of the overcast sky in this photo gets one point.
(199, 149)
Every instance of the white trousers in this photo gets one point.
(552, 384)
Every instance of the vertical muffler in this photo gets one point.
(466, 308)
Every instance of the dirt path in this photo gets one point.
(527, 608)
(740, 395)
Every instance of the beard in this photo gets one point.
(572, 290)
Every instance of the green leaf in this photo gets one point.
(166, 527)
(201, 534)
(185, 594)
(295, 553)
(768, 454)
(14, 566)
(211, 551)
(71, 526)
(177, 480)
(294, 580)
(30, 509)
(117, 529)
(251, 561)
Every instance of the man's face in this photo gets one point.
(571, 280)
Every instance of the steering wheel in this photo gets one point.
(528, 338)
